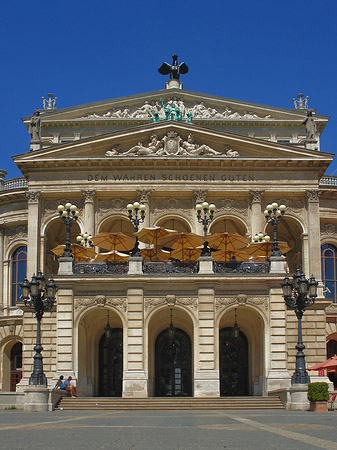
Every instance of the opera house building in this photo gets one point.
(146, 245)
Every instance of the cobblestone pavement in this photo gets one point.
(161, 430)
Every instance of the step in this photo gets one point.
(178, 403)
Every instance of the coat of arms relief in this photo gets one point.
(173, 145)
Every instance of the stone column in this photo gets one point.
(199, 197)
(33, 258)
(206, 380)
(314, 234)
(135, 378)
(89, 212)
(42, 250)
(257, 219)
(277, 375)
(144, 197)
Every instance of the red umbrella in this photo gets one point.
(328, 364)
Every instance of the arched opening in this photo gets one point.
(19, 270)
(16, 365)
(111, 363)
(233, 363)
(100, 358)
(329, 270)
(173, 365)
(161, 351)
(241, 359)
(117, 225)
(331, 350)
(290, 231)
(55, 234)
(229, 225)
(175, 224)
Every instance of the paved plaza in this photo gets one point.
(160, 430)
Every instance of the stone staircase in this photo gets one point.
(170, 403)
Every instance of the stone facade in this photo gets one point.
(102, 157)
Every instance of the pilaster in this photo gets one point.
(33, 232)
(199, 197)
(314, 234)
(206, 377)
(144, 198)
(1, 269)
(64, 333)
(89, 211)
(257, 216)
(276, 347)
(135, 378)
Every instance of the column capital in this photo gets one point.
(200, 195)
(256, 196)
(89, 195)
(33, 196)
(313, 195)
(144, 195)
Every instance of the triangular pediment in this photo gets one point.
(157, 143)
(203, 108)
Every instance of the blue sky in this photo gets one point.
(258, 51)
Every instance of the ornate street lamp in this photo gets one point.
(85, 240)
(39, 297)
(273, 214)
(136, 212)
(69, 215)
(299, 295)
(205, 215)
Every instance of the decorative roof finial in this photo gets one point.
(301, 103)
(174, 70)
(50, 103)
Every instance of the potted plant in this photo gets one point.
(318, 396)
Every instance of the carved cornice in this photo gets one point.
(331, 309)
(242, 300)
(15, 233)
(329, 229)
(170, 301)
(99, 301)
(33, 196)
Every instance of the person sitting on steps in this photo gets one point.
(70, 387)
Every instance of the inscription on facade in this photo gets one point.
(169, 177)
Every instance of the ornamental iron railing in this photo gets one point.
(100, 268)
(241, 267)
(170, 267)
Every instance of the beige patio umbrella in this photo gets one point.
(154, 254)
(237, 255)
(114, 241)
(264, 249)
(182, 240)
(228, 243)
(186, 254)
(152, 235)
(113, 256)
(78, 252)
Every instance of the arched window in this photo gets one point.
(19, 270)
(329, 270)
